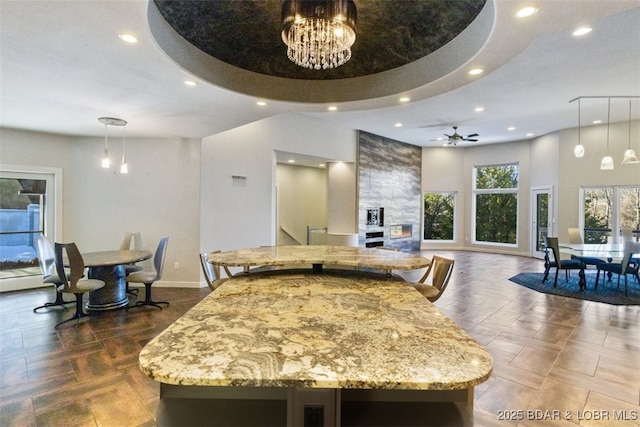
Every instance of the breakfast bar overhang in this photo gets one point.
(292, 347)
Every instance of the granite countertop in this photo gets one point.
(319, 254)
(332, 330)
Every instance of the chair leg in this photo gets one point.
(59, 302)
(546, 273)
(147, 298)
(625, 285)
(79, 314)
(555, 282)
(130, 291)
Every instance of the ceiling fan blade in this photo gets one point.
(472, 135)
(471, 140)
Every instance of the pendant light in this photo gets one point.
(123, 166)
(106, 161)
(607, 161)
(579, 150)
(630, 155)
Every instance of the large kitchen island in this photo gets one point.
(298, 348)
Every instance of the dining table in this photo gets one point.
(109, 266)
(607, 252)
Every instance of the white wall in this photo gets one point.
(342, 198)
(159, 196)
(441, 169)
(237, 215)
(451, 169)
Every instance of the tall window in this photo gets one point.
(610, 208)
(439, 215)
(495, 204)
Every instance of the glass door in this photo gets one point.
(541, 224)
(23, 217)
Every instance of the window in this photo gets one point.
(495, 204)
(609, 208)
(439, 214)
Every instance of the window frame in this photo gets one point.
(615, 209)
(479, 191)
(455, 220)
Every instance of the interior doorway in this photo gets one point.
(301, 204)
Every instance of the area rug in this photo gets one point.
(607, 292)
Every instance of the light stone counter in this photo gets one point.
(319, 255)
(298, 330)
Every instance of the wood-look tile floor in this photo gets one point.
(557, 361)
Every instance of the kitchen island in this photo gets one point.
(295, 348)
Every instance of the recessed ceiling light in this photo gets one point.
(129, 38)
(527, 11)
(291, 161)
(405, 99)
(530, 134)
(597, 122)
(479, 109)
(510, 128)
(476, 71)
(582, 31)
(322, 165)
(261, 103)
(189, 83)
(398, 125)
(332, 108)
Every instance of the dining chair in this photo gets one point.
(557, 262)
(212, 272)
(624, 267)
(74, 283)
(440, 271)
(148, 277)
(125, 245)
(575, 238)
(47, 261)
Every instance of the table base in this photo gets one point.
(113, 294)
(268, 406)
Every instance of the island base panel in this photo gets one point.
(256, 406)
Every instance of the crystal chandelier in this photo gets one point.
(319, 33)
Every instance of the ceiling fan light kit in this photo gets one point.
(455, 138)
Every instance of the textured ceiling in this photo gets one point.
(62, 65)
(390, 33)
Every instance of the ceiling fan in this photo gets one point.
(455, 137)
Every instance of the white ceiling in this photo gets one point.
(63, 66)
